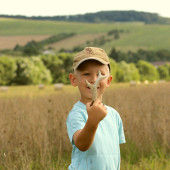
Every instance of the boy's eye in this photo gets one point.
(86, 74)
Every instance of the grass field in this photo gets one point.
(32, 27)
(136, 35)
(34, 136)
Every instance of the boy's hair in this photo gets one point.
(91, 53)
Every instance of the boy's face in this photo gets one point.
(89, 70)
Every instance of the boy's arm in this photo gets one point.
(83, 138)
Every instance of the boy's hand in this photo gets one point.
(96, 112)
(84, 138)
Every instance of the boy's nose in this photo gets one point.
(93, 79)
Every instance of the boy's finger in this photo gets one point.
(97, 101)
(89, 104)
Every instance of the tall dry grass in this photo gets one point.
(145, 112)
(33, 132)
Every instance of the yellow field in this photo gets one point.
(76, 40)
(33, 126)
(33, 91)
(9, 42)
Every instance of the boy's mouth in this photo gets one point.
(90, 89)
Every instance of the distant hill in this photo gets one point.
(102, 16)
(132, 35)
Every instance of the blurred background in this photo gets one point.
(38, 40)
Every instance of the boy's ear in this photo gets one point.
(109, 80)
(72, 78)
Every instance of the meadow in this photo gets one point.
(34, 135)
(136, 35)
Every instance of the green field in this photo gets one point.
(32, 27)
(136, 34)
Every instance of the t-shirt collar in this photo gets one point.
(82, 105)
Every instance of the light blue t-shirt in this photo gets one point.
(104, 154)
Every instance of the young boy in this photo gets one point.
(95, 131)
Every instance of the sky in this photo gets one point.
(73, 7)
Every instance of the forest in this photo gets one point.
(102, 16)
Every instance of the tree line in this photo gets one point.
(37, 48)
(102, 16)
(49, 69)
(97, 42)
(146, 55)
(34, 48)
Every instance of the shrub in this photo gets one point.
(54, 64)
(60, 66)
(66, 67)
(31, 71)
(164, 72)
(127, 72)
(7, 70)
(147, 71)
(113, 66)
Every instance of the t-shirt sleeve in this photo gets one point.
(75, 122)
(120, 129)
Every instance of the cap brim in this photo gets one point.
(92, 58)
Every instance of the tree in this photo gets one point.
(113, 68)
(32, 48)
(114, 55)
(134, 72)
(7, 70)
(31, 71)
(66, 67)
(116, 36)
(127, 72)
(164, 72)
(17, 48)
(147, 71)
(60, 66)
(78, 48)
(113, 32)
(55, 65)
